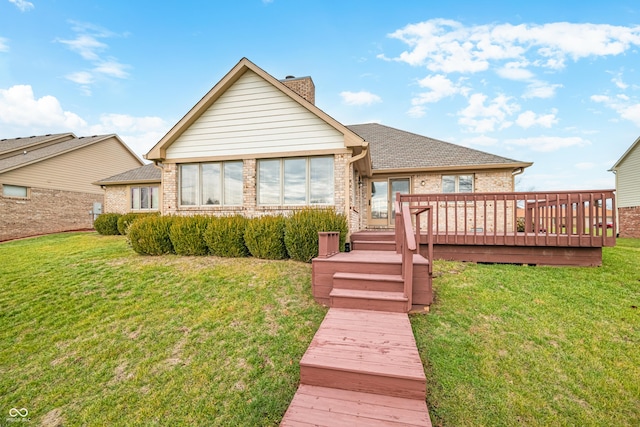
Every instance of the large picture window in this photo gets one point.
(217, 183)
(296, 181)
(457, 183)
(145, 198)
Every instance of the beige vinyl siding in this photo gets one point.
(75, 170)
(253, 117)
(628, 180)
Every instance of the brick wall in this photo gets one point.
(116, 199)
(629, 221)
(46, 211)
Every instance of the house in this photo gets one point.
(256, 145)
(46, 181)
(135, 190)
(627, 170)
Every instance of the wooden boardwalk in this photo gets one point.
(361, 369)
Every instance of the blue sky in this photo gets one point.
(555, 83)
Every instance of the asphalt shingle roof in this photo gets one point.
(23, 151)
(397, 149)
(146, 173)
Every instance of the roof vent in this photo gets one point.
(290, 77)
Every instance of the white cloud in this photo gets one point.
(86, 46)
(449, 46)
(627, 108)
(416, 112)
(439, 87)
(20, 108)
(481, 118)
(529, 118)
(90, 48)
(4, 45)
(539, 89)
(22, 114)
(515, 71)
(23, 5)
(548, 143)
(360, 98)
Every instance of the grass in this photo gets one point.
(93, 334)
(510, 345)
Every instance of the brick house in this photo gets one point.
(46, 181)
(627, 170)
(135, 190)
(257, 145)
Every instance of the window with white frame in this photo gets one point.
(145, 198)
(218, 183)
(457, 183)
(296, 181)
(15, 191)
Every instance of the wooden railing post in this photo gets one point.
(328, 243)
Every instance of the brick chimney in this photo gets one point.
(303, 86)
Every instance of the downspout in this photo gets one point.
(347, 187)
(158, 164)
(514, 173)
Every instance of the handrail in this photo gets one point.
(559, 218)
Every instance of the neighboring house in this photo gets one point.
(46, 181)
(627, 171)
(257, 145)
(136, 190)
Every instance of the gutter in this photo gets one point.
(347, 187)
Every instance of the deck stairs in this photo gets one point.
(362, 367)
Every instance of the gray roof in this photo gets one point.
(18, 152)
(396, 149)
(146, 173)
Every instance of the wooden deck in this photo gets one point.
(362, 368)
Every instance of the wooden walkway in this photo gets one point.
(361, 369)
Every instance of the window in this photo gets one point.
(145, 198)
(296, 181)
(15, 191)
(457, 183)
(217, 183)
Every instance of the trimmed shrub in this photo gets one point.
(264, 237)
(107, 224)
(150, 235)
(225, 236)
(125, 220)
(301, 231)
(186, 235)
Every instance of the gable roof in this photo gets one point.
(148, 173)
(19, 152)
(158, 152)
(626, 153)
(393, 150)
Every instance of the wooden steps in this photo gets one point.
(373, 241)
(394, 302)
(361, 367)
(330, 407)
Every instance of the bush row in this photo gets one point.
(111, 224)
(267, 237)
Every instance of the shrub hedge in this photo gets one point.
(187, 235)
(107, 224)
(150, 235)
(264, 237)
(301, 231)
(224, 236)
(125, 220)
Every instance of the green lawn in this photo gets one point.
(93, 334)
(510, 345)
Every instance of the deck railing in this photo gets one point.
(407, 241)
(564, 218)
